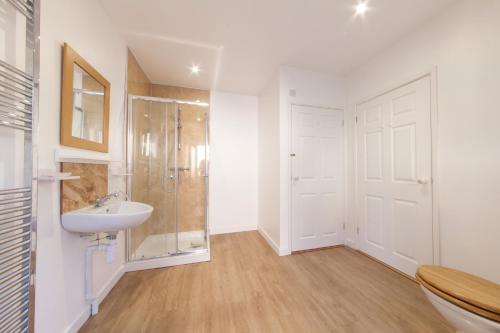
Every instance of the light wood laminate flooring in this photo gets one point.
(248, 288)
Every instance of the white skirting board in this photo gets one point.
(75, 326)
(351, 243)
(281, 252)
(231, 229)
(101, 294)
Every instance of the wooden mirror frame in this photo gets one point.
(70, 57)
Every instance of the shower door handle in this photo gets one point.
(166, 178)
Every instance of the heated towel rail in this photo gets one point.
(18, 100)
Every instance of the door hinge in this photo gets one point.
(343, 226)
(356, 119)
(357, 230)
(343, 122)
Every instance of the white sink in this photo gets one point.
(109, 218)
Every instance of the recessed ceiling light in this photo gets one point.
(195, 69)
(361, 8)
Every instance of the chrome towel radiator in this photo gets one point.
(18, 100)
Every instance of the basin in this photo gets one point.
(110, 218)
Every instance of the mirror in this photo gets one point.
(85, 104)
(88, 106)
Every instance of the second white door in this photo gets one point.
(317, 177)
(394, 177)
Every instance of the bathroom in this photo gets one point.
(247, 144)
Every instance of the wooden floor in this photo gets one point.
(248, 288)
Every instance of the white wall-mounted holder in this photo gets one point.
(54, 176)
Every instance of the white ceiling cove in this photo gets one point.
(240, 44)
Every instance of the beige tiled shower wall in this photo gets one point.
(151, 181)
(79, 193)
(139, 84)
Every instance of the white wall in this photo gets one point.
(233, 163)
(60, 303)
(269, 163)
(463, 43)
(311, 88)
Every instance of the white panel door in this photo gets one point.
(317, 177)
(394, 177)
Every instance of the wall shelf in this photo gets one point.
(72, 155)
(55, 178)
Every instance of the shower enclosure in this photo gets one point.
(167, 162)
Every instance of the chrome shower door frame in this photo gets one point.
(135, 264)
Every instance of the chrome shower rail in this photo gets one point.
(167, 100)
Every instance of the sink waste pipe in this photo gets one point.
(110, 249)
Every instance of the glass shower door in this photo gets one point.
(192, 183)
(152, 141)
(167, 154)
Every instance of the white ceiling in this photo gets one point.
(239, 44)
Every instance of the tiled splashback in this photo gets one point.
(93, 182)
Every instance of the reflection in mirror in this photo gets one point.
(88, 106)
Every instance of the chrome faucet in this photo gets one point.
(100, 201)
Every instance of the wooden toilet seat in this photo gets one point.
(466, 291)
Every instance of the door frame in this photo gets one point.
(290, 185)
(432, 74)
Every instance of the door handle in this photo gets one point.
(295, 179)
(423, 181)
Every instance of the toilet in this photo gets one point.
(469, 303)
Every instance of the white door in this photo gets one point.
(394, 177)
(317, 177)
